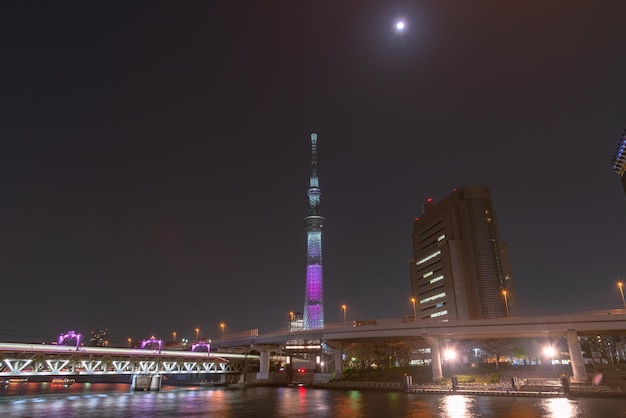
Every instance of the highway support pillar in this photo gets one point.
(339, 361)
(576, 357)
(435, 355)
(264, 366)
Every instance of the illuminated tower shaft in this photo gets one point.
(313, 223)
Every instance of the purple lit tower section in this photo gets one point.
(314, 292)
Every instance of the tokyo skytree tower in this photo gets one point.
(314, 293)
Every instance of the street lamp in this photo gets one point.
(549, 351)
(506, 303)
(174, 335)
(449, 354)
(344, 307)
(414, 312)
(222, 326)
(621, 291)
(129, 342)
(197, 333)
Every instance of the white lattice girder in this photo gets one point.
(169, 367)
(91, 366)
(121, 366)
(148, 366)
(17, 365)
(56, 366)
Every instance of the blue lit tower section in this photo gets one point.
(313, 223)
(619, 160)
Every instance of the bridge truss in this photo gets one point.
(39, 360)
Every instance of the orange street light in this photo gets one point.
(174, 335)
(506, 303)
(344, 308)
(414, 311)
(620, 284)
(129, 342)
(222, 326)
(197, 333)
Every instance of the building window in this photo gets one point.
(437, 296)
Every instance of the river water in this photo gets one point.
(116, 400)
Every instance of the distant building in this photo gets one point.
(460, 268)
(619, 160)
(296, 321)
(99, 338)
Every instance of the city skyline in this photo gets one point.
(155, 156)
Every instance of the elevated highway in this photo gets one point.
(571, 326)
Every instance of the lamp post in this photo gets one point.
(129, 342)
(506, 303)
(621, 291)
(197, 334)
(222, 326)
(550, 352)
(414, 312)
(449, 355)
(174, 335)
(345, 322)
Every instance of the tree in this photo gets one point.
(497, 347)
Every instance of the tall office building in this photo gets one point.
(619, 160)
(313, 223)
(460, 267)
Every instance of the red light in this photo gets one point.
(429, 200)
(300, 370)
(417, 219)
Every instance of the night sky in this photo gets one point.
(156, 155)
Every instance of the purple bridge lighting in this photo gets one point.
(70, 336)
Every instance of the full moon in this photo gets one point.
(400, 26)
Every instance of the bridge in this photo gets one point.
(438, 334)
(231, 353)
(25, 360)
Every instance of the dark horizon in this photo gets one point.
(156, 156)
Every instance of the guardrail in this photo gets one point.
(362, 385)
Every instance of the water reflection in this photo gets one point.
(560, 408)
(299, 402)
(457, 406)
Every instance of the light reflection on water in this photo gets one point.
(299, 402)
(457, 406)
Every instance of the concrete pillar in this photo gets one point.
(264, 366)
(155, 383)
(435, 355)
(339, 362)
(576, 357)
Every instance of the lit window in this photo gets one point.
(437, 296)
(440, 313)
(428, 257)
(436, 279)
